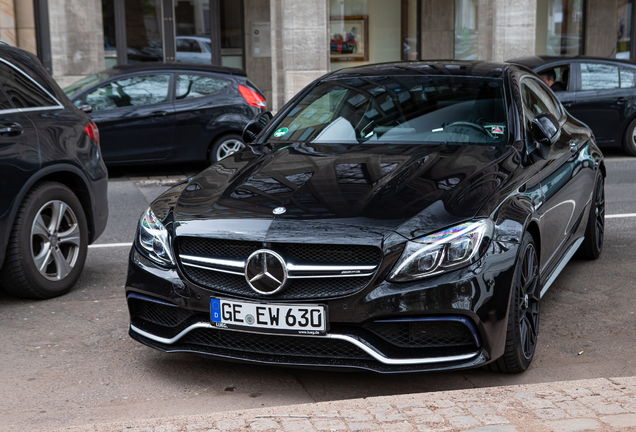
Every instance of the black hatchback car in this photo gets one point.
(53, 181)
(156, 112)
(601, 92)
(393, 217)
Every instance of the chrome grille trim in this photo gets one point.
(295, 271)
(214, 264)
(366, 348)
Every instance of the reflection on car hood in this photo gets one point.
(412, 190)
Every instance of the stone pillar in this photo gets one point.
(507, 29)
(300, 46)
(25, 25)
(7, 22)
(258, 64)
(601, 26)
(438, 29)
(77, 39)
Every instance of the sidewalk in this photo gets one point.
(597, 404)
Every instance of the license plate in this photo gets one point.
(268, 318)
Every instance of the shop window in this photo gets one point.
(110, 43)
(232, 42)
(372, 31)
(144, 31)
(192, 26)
(559, 27)
(466, 29)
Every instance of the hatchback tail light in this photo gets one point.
(92, 132)
(252, 98)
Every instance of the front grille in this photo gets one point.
(297, 253)
(230, 249)
(295, 289)
(274, 345)
(424, 334)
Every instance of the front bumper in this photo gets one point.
(462, 315)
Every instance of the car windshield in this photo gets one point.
(84, 83)
(399, 109)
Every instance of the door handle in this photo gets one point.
(158, 113)
(10, 129)
(621, 100)
(567, 104)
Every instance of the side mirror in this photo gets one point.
(86, 108)
(545, 129)
(256, 126)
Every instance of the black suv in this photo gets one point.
(53, 181)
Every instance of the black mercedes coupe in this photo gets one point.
(395, 217)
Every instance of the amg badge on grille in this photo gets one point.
(279, 210)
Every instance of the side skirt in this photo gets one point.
(566, 258)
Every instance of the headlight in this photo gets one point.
(153, 239)
(446, 250)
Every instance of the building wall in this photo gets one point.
(259, 69)
(77, 39)
(507, 29)
(601, 26)
(438, 29)
(300, 46)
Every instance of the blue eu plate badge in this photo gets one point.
(215, 309)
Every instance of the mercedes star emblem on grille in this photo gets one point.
(266, 272)
(279, 210)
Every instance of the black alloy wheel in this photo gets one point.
(524, 312)
(592, 246)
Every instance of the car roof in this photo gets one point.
(160, 66)
(534, 62)
(432, 67)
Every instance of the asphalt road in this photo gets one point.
(69, 361)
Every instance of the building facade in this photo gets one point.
(285, 44)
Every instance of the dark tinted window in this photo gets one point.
(22, 91)
(628, 77)
(394, 109)
(193, 86)
(598, 76)
(132, 91)
(536, 100)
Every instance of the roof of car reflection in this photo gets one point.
(439, 67)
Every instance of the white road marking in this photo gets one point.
(621, 159)
(624, 215)
(110, 245)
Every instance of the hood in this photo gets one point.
(358, 189)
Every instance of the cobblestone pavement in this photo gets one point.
(596, 405)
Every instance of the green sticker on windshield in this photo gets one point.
(280, 132)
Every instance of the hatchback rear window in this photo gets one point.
(399, 109)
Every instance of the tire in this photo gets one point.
(45, 259)
(225, 146)
(629, 140)
(524, 312)
(592, 246)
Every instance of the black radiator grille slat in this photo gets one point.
(274, 345)
(310, 288)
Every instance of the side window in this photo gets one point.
(23, 91)
(628, 77)
(536, 100)
(598, 76)
(188, 45)
(132, 91)
(194, 86)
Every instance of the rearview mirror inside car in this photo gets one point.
(254, 127)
